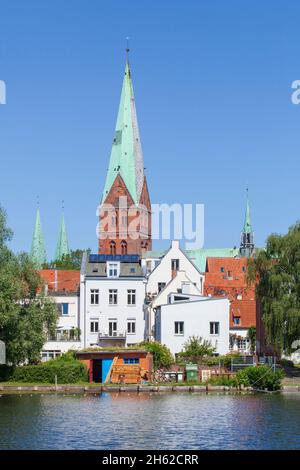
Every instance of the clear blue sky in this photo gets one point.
(212, 84)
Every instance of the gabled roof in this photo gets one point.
(61, 280)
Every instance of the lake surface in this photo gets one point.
(150, 421)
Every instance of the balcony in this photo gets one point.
(112, 338)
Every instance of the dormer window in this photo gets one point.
(113, 269)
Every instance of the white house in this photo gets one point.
(112, 293)
(173, 272)
(63, 287)
(190, 315)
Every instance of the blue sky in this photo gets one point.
(212, 82)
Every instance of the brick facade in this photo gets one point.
(227, 277)
(124, 229)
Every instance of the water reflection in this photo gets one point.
(153, 421)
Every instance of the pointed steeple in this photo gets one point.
(247, 236)
(126, 156)
(247, 223)
(38, 250)
(62, 247)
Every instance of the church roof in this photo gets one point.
(62, 247)
(126, 156)
(38, 250)
(247, 222)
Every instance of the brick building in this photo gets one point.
(125, 209)
(227, 277)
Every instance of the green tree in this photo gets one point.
(70, 261)
(196, 347)
(252, 338)
(277, 273)
(26, 315)
(162, 356)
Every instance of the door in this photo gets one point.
(97, 370)
(106, 365)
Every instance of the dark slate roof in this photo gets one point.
(130, 266)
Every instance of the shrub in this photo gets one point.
(226, 381)
(162, 356)
(196, 347)
(66, 368)
(260, 377)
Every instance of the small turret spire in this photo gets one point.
(38, 250)
(247, 236)
(62, 247)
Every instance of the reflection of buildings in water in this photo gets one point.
(130, 396)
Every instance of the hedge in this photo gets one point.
(260, 377)
(66, 373)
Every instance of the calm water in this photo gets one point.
(130, 421)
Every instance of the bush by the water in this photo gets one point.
(260, 377)
(66, 368)
(162, 356)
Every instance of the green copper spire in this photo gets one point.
(126, 156)
(62, 247)
(247, 223)
(38, 250)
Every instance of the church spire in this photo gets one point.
(62, 247)
(126, 158)
(247, 236)
(38, 250)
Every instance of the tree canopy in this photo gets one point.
(26, 315)
(70, 261)
(277, 272)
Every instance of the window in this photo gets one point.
(65, 309)
(131, 294)
(94, 326)
(239, 297)
(131, 360)
(229, 274)
(179, 328)
(222, 269)
(236, 320)
(214, 328)
(113, 296)
(161, 286)
(175, 264)
(112, 328)
(112, 247)
(156, 262)
(244, 269)
(131, 327)
(94, 296)
(132, 270)
(242, 343)
(124, 248)
(113, 269)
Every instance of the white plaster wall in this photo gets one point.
(196, 317)
(104, 311)
(163, 272)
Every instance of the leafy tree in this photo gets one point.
(252, 338)
(196, 347)
(26, 316)
(162, 356)
(277, 272)
(70, 261)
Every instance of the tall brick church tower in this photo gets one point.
(125, 209)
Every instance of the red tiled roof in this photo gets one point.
(60, 280)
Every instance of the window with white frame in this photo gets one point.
(112, 269)
(94, 296)
(214, 328)
(113, 296)
(94, 326)
(131, 296)
(178, 327)
(131, 326)
(242, 343)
